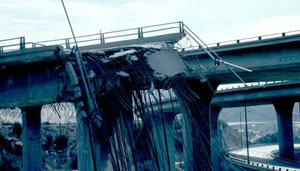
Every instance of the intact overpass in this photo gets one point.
(288, 91)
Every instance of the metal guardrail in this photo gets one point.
(102, 37)
(253, 84)
(257, 165)
(275, 156)
(17, 41)
(193, 36)
(133, 33)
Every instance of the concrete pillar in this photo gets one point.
(31, 137)
(284, 111)
(216, 150)
(84, 150)
(165, 149)
(195, 98)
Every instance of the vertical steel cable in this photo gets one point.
(164, 129)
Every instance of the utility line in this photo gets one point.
(91, 100)
(246, 124)
(216, 58)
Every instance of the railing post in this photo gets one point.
(1, 49)
(102, 40)
(140, 33)
(100, 37)
(67, 43)
(238, 41)
(181, 27)
(259, 38)
(22, 43)
(283, 34)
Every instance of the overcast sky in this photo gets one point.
(212, 20)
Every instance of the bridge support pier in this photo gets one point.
(215, 139)
(84, 150)
(31, 137)
(284, 111)
(195, 98)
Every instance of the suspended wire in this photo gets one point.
(217, 58)
(164, 130)
(91, 100)
(87, 86)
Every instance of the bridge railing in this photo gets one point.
(118, 35)
(132, 33)
(12, 43)
(101, 37)
(255, 165)
(198, 45)
(17, 43)
(225, 87)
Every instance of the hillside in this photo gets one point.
(263, 113)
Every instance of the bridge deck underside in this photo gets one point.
(257, 95)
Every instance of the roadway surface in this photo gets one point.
(261, 155)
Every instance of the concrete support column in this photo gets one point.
(84, 150)
(31, 137)
(195, 98)
(216, 150)
(165, 149)
(284, 111)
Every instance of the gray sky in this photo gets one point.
(212, 20)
